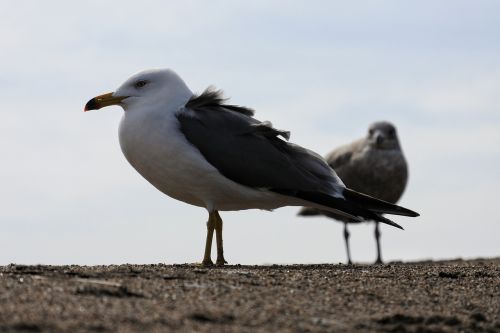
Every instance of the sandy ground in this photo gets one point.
(452, 296)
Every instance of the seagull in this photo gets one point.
(198, 149)
(374, 165)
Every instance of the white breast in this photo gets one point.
(153, 144)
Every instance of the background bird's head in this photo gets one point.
(383, 135)
(149, 87)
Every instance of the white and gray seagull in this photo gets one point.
(374, 165)
(202, 151)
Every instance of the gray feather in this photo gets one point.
(251, 153)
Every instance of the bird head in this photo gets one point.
(383, 135)
(148, 87)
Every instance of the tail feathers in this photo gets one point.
(387, 221)
(376, 205)
(308, 211)
(343, 205)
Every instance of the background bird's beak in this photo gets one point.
(379, 138)
(102, 101)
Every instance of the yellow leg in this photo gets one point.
(218, 235)
(212, 221)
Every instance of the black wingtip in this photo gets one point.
(307, 211)
(409, 212)
(355, 211)
(389, 222)
(377, 205)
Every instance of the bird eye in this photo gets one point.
(140, 84)
(392, 133)
(370, 132)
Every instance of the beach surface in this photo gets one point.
(431, 296)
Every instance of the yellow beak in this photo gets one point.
(102, 101)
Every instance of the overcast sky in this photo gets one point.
(322, 69)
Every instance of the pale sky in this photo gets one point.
(322, 69)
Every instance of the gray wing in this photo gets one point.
(342, 156)
(339, 160)
(252, 153)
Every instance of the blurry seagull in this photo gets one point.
(200, 150)
(374, 165)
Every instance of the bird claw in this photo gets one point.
(220, 261)
(207, 263)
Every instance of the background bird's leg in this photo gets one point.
(218, 235)
(377, 238)
(346, 237)
(207, 260)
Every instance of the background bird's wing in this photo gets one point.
(342, 156)
(338, 159)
